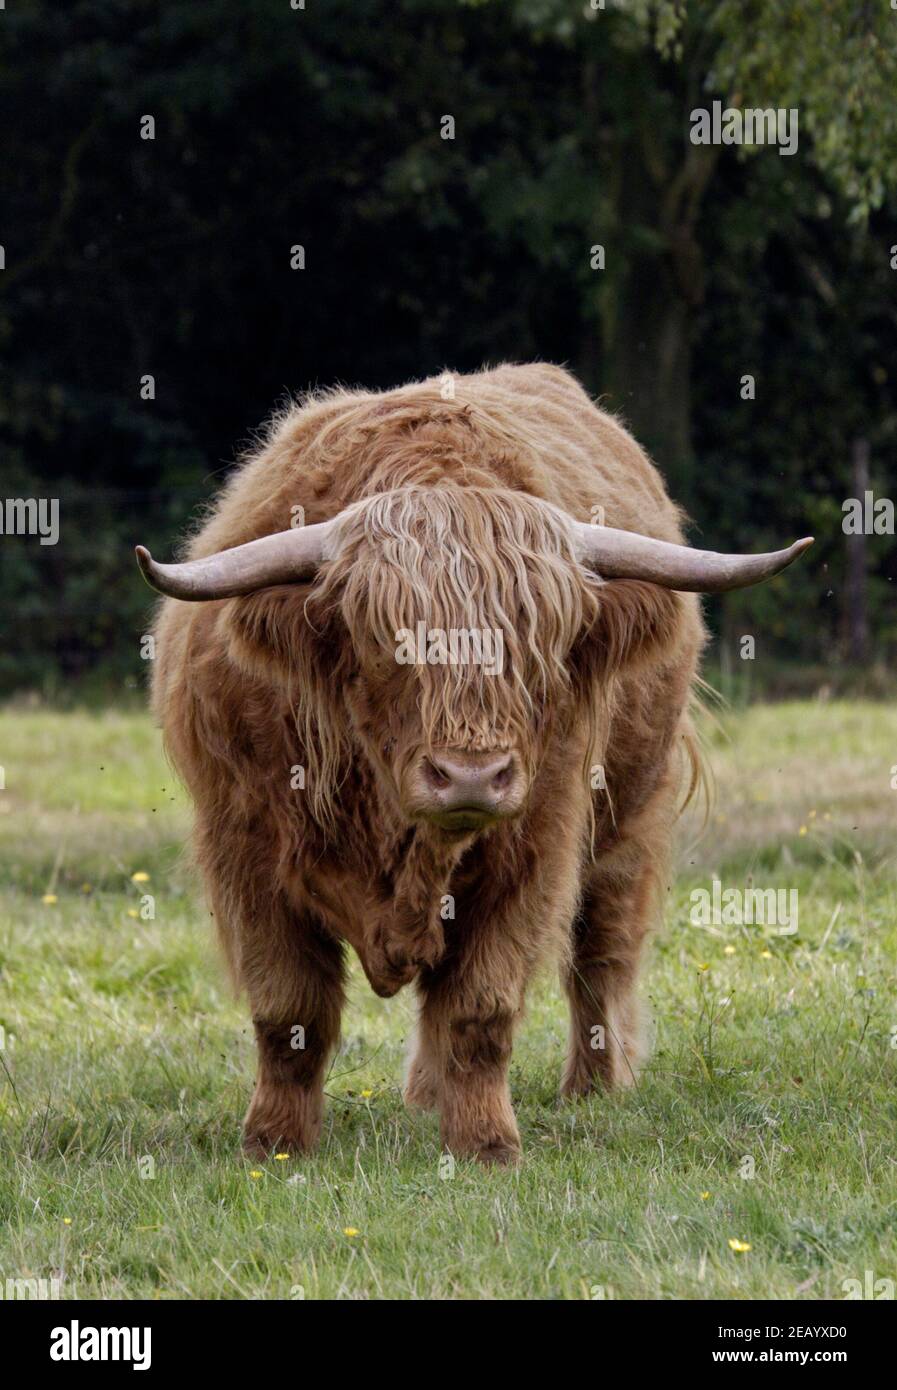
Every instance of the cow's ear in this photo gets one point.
(277, 634)
(635, 621)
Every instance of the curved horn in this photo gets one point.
(284, 558)
(617, 554)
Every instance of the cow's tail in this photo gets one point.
(700, 788)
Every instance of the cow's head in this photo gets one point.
(453, 631)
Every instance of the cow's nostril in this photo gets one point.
(503, 778)
(435, 776)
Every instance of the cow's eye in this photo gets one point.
(381, 666)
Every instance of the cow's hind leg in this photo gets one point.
(605, 1045)
(423, 1077)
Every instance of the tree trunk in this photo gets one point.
(649, 317)
(649, 361)
(857, 608)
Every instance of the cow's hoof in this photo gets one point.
(578, 1087)
(500, 1154)
(496, 1149)
(262, 1145)
(616, 1074)
(282, 1119)
(257, 1146)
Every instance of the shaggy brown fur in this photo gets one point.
(447, 530)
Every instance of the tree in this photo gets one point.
(645, 65)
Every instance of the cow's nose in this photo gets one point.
(470, 782)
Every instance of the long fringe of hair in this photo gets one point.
(457, 559)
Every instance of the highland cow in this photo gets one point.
(458, 822)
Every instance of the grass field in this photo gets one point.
(126, 1065)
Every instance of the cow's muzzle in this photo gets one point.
(461, 791)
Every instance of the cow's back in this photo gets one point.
(530, 428)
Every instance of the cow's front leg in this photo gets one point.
(295, 1043)
(469, 1007)
(461, 1066)
(511, 912)
(292, 971)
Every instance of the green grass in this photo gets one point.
(122, 1044)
